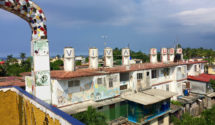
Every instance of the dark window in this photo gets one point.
(74, 83)
(167, 87)
(154, 74)
(112, 106)
(179, 69)
(123, 87)
(110, 82)
(99, 80)
(166, 71)
(160, 120)
(124, 76)
(147, 73)
(100, 108)
(139, 76)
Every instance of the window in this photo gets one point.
(147, 73)
(99, 80)
(166, 71)
(154, 74)
(123, 87)
(160, 120)
(139, 76)
(100, 108)
(195, 67)
(167, 87)
(110, 82)
(179, 69)
(124, 76)
(74, 83)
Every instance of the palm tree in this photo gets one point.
(91, 117)
(22, 56)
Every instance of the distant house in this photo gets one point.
(1, 62)
(12, 81)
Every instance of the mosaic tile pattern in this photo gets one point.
(30, 12)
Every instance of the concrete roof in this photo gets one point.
(148, 97)
(211, 94)
(80, 107)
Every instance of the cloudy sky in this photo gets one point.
(142, 24)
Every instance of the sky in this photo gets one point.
(139, 24)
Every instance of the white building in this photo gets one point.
(74, 91)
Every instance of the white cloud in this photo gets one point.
(200, 16)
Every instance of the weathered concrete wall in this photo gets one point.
(195, 69)
(89, 89)
(198, 87)
(63, 94)
(16, 110)
(161, 77)
(103, 91)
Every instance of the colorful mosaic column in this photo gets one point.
(34, 15)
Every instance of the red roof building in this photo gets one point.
(202, 77)
(12, 81)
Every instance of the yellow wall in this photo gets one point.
(211, 70)
(166, 120)
(15, 110)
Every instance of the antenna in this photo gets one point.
(105, 39)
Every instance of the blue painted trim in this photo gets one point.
(159, 114)
(55, 110)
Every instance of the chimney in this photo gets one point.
(171, 54)
(164, 57)
(179, 51)
(153, 55)
(125, 56)
(108, 57)
(69, 59)
(93, 58)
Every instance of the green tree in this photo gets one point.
(78, 63)
(56, 65)
(87, 59)
(212, 84)
(13, 69)
(209, 116)
(26, 65)
(91, 117)
(11, 60)
(117, 54)
(187, 119)
(22, 56)
(3, 70)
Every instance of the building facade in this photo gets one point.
(139, 93)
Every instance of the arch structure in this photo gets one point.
(35, 17)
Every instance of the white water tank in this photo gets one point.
(164, 55)
(153, 55)
(171, 54)
(69, 59)
(125, 56)
(108, 57)
(93, 58)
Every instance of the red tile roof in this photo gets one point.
(61, 74)
(202, 77)
(12, 81)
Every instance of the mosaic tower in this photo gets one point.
(33, 14)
